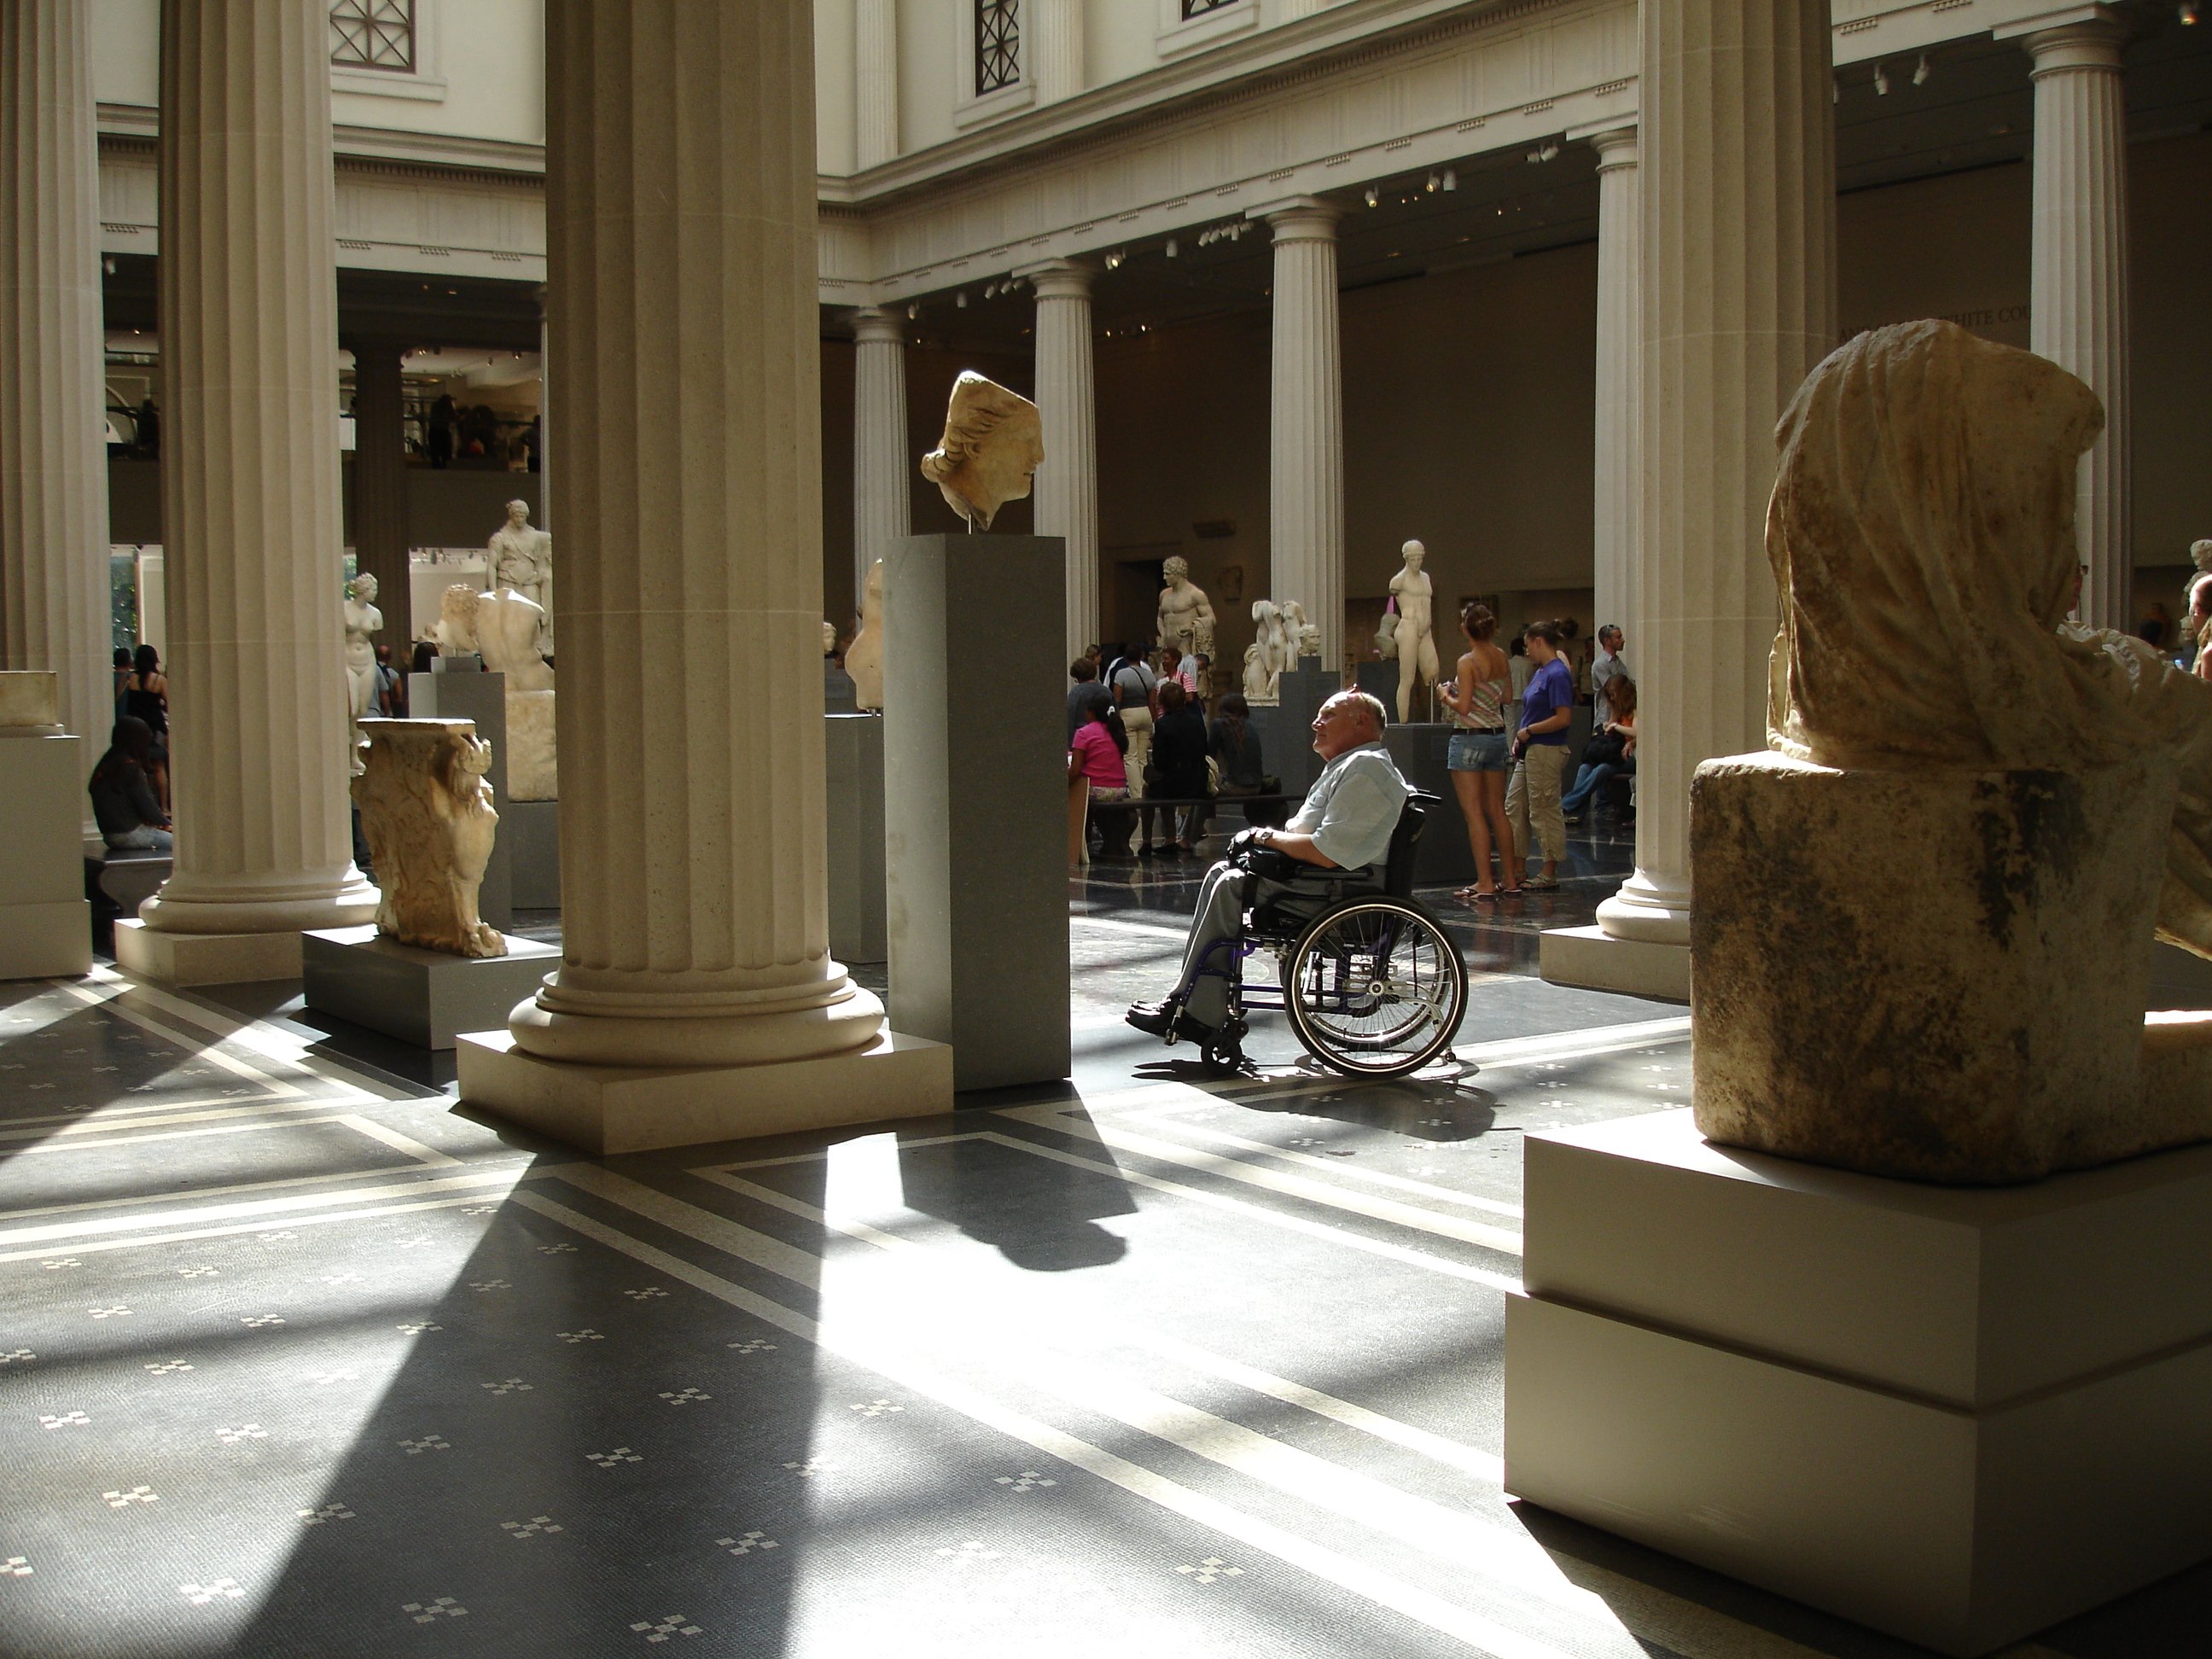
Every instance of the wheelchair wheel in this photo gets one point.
(1375, 987)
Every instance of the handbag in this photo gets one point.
(1606, 749)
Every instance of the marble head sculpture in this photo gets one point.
(427, 814)
(1921, 941)
(994, 441)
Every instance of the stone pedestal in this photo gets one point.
(168, 957)
(46, 926)
(1285, 728)
(1378, 677)
(482, 698)
(853, 764)
(1956, 1416)
(531, 832)
(422, 997)
(836, 691)
(1934, 975)
(1422, 754)
(974, 807)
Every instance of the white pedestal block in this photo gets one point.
(206, 958)
(1592, 959)
(1958, 1415)
(423, 997)
(617, 1108)
(46, 926)
(975, 805)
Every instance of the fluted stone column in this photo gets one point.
(1055, 47)
(882, 501)
(53, 455)
(875, 82)
(544, 516)
(2078, 275)
(1737, 239)
(379, 486)
(250, 497)
(1618, 472)
(680, 220)
(1305, 481)
(1067, 482)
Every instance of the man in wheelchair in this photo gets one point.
(1344, 825)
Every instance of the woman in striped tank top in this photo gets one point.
(1477, 697)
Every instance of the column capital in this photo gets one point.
(1299, 218)
(1615, 145)
(1057, 279)
(2076, 37)
(877, 326)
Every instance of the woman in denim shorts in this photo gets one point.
(1479, 756)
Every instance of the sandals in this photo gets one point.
(1541, 884)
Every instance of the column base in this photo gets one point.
(1592, 959)
(46, 941)
(182, 959)
(605, 1109)
(1955, 1415)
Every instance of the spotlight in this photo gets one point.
(2188, 11)
(1550, 150)
(1172, 249)
(1881, 82)
(1373, 195)
(961, 299)
(1920, 74)
(1451, 178)
(1114, 260)
(1435, 182)
(913, 312)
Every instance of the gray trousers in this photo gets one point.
(1221, 903)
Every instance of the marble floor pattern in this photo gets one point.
(295, 1358)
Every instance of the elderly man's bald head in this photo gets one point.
(1346, 720)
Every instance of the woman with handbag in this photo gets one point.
(1611, 751)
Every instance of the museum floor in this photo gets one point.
(296, 1359)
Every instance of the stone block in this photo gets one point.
(605, 1109)
(530, 830)
(1422, 752)
(423, 997)
(46, 925)
(30, 699)
(974, 807)
(853, 757)
(186, 959)
(532, 771)
(1594, 960)
(1936, 975)
(1957, 1415)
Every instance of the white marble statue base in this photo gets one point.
(1594, 960)
(46, 926)
(423, 997)
(622, 1109)
(1956, 1414)
(206, 958)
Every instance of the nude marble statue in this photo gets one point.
(864, 657)
(1274, 640)
(1415, 636)
(994, 441)
(1302, 637)
(522, 559)
(426, 812)
(1185, 612)
(1259, 686)
(362, 619)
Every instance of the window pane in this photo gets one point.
(998, 45)
(376, 35)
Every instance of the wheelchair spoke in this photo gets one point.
(1375, 987)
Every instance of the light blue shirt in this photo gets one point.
(1354, 807)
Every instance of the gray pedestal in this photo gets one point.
(836, 690)
(46, 926)
(1287, 730)
(1379, 679)
(531, 830)
(853, 764)
(975, 802)
(1422, 753)
(454, 695)
(421, 997)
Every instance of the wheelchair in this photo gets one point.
(1373, 985)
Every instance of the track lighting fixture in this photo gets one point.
(1881, 82)
(1435, 182)
(1114, 260)
(913, 312)
(1451, 178)
(1920, 73)
(2188, 11)
(1172, 249)
(961, 299)
(1373, 196)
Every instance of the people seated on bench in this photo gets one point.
(1234, 743)
(1178, 768)
(1611, 751)
(1345, 824)
(131, 818)
(1096, 754)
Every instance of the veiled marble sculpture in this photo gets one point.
(426, 812)
(1260, 687)
(508, 627)
(1416, 637)
(994, 441)
(864, 657)
(522, 559)
(1185, 613)
(362, 619)
(1921, 941)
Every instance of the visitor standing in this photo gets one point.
(1178, 768)
(1478, 759)
(146, 697)
(1539, 749)
(1607, 665)
(1085, 692)
(1136, 696)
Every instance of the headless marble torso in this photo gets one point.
(1415, 637)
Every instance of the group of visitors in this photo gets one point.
(1509, 750)
(1137, 729)
(130, 786)
(472, 431)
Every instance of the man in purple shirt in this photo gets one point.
(1540, 747)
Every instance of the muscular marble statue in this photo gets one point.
(362, 619)
(522, 559)
(1185, 612)
(994, 441)
(1415, 636)
(426, 812)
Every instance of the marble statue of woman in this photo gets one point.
(1184, 612)
(362, 619)
(994, 441)
(1302, 637)
(1416, 637)
(864, 657)
(1260, 685)
(522, 559)
(1275, 643)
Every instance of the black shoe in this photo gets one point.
(1154, 1018)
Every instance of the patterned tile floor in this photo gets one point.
(296, 1359)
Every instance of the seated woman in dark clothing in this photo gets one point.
(130, 818)
(1178, 765)
(1235, 746)
(146, 698)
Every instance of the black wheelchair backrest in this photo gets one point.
(1413, 818)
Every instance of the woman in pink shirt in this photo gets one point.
(1096, 754)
